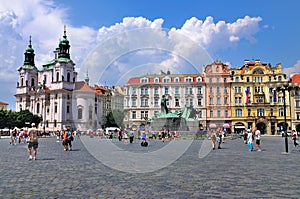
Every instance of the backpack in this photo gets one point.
(71, 137)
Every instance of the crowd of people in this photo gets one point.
(31, 135)
(18, 136)
(66, 137)
(217, 138)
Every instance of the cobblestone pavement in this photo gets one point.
(231, 172)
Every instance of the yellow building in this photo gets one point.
(257, 98)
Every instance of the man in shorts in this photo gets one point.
(257, 138)
(32, 142)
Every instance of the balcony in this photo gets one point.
(144, 95)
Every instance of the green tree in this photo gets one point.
(115, 119)
(12, 119)
(23, 117)
(3, 119)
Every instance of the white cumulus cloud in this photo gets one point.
(216, 35)
(134, 41)
(295, 69)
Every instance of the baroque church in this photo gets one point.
(54, 93)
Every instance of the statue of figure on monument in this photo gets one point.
(163, 103)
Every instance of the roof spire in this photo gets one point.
(29, 55)
(64, 46)
(87, 79)
(65, 31)
(30, 42)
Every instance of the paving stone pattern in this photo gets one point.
(231, 172)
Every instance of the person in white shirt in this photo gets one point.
(257, 138)
(250, 140)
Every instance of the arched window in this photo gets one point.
(258, 71)
(57, 76)
(79, 113)
(38, 108)
(271, 112)
(32, 82)
(22, 82)
(68, 77)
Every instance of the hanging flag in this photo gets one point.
(274, 95)
(247, 96)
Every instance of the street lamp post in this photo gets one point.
(285, 87)
(45, 102)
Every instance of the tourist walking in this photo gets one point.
(13, 137)
(223, 136)
(294, 137)
(70, 139)
(213, 139)
(120, 135)
(219, 138)
(250, 140)
(257, 138)
(25, 137)
(57, 135)
(32, 142)
(144, 142)
(131, 136)
(125, 138)
(245, 136)
(65, 139)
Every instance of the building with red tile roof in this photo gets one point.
(3, 106)
(143, 96)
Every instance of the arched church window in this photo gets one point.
(38, 108)
(79, 113)
(68, 77)
(258, 71)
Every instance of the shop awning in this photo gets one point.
(226, 125)
(212, 126)
(239, 127)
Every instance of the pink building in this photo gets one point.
(217, 79)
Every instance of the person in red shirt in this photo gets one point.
(65, 139)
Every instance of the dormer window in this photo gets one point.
(199, 79)
(144, 80)
(188, 79)
(176, 80)
(156, 80)
(167, 80)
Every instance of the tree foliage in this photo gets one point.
(10, 119)
(115, 119)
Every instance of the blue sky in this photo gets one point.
(229, 31)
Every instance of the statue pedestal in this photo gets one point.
(174, 124)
